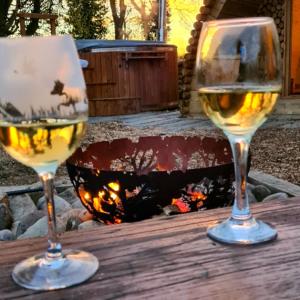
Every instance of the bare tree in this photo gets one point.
(148, 11)
(8, 14)
(118, 11)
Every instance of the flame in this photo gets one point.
(84, 195)
(103, 201)
(195, 196)
(98, 206)
(114, 186)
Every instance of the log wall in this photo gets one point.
(213, 9)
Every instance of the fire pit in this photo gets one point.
(124, 180)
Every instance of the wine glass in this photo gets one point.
(43, 115)
(239, 80)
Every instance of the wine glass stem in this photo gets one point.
(240, 150)
(54, 247)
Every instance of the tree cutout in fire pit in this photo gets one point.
(124, 181)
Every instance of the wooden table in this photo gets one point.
(171, 258)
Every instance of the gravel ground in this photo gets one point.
(274, 151)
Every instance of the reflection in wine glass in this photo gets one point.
(239, 81)
(43, 114)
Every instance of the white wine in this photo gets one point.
(238, 111)
(40, 143)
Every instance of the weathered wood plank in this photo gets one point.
(171, 258)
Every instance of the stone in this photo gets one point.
(251, 197)
(5, 217)
(72, 213)
(276, 196)
(26, 221)
(250, 186)
(86, 216)
(61, 205)
(17, 229)
(260, 192)
(171, 210)
(89, 225)
(69, 195)
(6, 235)
(4, 198)
(20, 206)
(73, 223)
(40, 228)
(78, 204)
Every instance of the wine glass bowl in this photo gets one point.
(239, 80)
(43, 115)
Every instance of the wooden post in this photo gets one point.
(53, 26)
(22, 26)
(22, 16)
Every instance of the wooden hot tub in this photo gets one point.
(125, 77)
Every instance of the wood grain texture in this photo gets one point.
(125, 82)
(171, 258)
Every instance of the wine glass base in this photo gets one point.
(242, 232)
(38, 273)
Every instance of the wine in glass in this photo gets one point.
(43, 115)
(239, 80)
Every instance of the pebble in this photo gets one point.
(276, 196)
(5, 217)
(6, 235)
(40, 228)
(69, 195)
(61, 205)
(89, 225)
(20, 206)
(260, 192)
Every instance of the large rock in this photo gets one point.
(17, 229)
(40, 228)
(72, 213)
(6, 235)
(5, 217)
(89, 225)
(276, 196)
(86, 216)
(61, 205)
(69, 195)
(251, 197)
(26, 221)
(21, 206)
(260, 192)
(78, 204)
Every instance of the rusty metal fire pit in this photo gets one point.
(128, 181)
